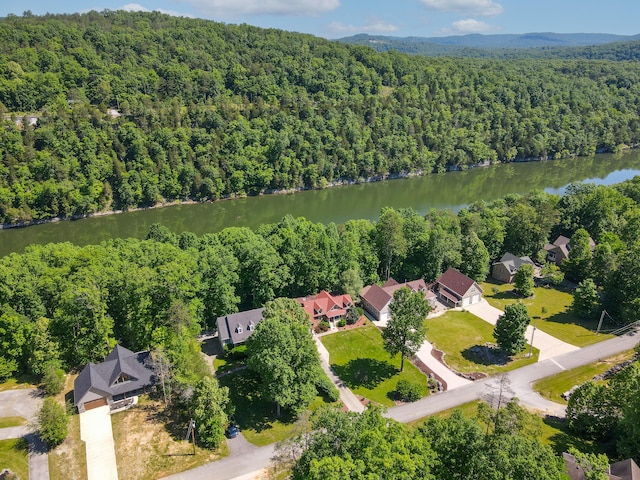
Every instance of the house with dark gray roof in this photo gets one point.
(235, 328)
(458, 290)
(123, 374)
(506, 268)
(622, 470)
(558, 251)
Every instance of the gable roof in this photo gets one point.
(235, 327)
(101, 379)
(378, 297)
(325, 304)
(626, 469)
(457, 282)
(513, 263)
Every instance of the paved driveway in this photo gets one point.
(452, 380)
(549, 346)
(95, 430)
(26, 403)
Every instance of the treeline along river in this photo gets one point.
(451, 190)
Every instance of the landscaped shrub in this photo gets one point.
(408, 391)
(325, 386)
(353, 315)
(53, 379)
(323, 327)
(239, 352)
(342, 323)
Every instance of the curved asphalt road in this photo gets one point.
(246, 458)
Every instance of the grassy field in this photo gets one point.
(359, 359)
(457, 333)
(14, 456)
(553, 387)
(150, 444)
(558, 320)
(469, 410)
(257, 418)
(14, 384)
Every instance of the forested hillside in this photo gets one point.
(210, 110)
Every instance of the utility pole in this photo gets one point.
(533, 332)
(600, 322)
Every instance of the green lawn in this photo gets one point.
(359, 359)
(456, 333)
(6, 422)
(256, 417)
(554, 386)
(13, 455)
(469, 410)
(558, 319)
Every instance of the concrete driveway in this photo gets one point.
(95, 430)
(26, 403)
(451, 379)
(548, 345)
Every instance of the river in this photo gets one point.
(452, 190)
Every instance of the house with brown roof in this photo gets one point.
(376, 299)
(558, 251)
(326, 307)
(505, 269)
(458, 290)
(622, 470)
(123, 374)
(235, 328)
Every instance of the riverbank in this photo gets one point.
(164, 203)
(335, 183)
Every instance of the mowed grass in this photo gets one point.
(256, 417)
(456, 333)
(6, 422)
(360, 360)
(150, 443)
(14, 456)
(469, 410)
(558, 319)
(15, 384)
(553, 387)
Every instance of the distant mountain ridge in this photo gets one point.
(496, 41)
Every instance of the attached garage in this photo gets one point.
(95, 404)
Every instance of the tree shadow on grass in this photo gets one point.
(364, 372)
(251, 410)
(565, 439)
(569, 318)
(486, 355)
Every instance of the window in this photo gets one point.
(251, 326)
(239, 329)
(123, 377)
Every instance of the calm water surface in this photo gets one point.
(451, 190)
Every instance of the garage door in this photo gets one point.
(95, 403)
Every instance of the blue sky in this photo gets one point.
(339, 18)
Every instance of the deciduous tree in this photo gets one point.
(208, 406)
(405, 330)
(510, 328)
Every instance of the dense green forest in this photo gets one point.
(211, 110)
(69, 304)
(540, 46)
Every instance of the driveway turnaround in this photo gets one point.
(451, 379)
(549, 346)
(95, 430)
(26, 403)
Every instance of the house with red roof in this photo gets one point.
(376, 299)
(457, 290)
(326, 307)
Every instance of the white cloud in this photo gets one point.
(136, 7)
(371, 26)
(484, 8)
(470, 26)
(274, 7)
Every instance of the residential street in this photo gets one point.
(238, 465)
(25, 403)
